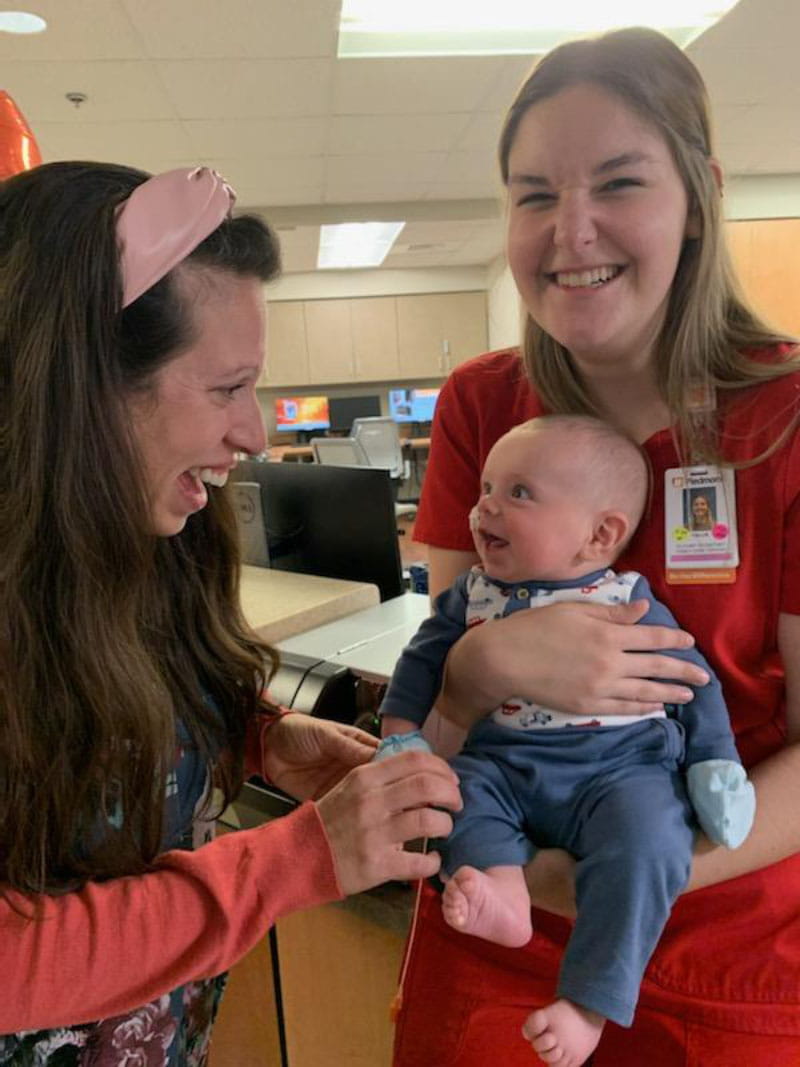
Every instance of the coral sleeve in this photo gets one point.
(257, 730)
(111, 947)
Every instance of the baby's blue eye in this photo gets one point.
(520, 492)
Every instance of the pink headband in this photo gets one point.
(163, 220)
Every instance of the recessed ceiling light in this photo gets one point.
(356, 244)
(21, 22)
(508, 27)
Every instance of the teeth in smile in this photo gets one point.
(210, 476)
(586, 278)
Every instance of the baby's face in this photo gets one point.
(533, 516)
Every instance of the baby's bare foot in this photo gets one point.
(563, 1033)
(491, 904)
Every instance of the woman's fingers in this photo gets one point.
(377, 807)
(614, 694)
(646, 666)
(419, 822)
(437, 789)
(413, 865)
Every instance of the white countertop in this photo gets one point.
(369, 642)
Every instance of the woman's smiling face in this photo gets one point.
(597, 218)
(202, 408)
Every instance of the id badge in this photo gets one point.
(701, 539)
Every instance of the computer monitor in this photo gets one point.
(338, 522)
(343, 410)
(412, 405)
(299, 414)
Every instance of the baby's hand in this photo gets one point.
(723, 799)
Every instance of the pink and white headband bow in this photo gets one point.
(163, 220)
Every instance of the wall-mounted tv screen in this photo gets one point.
(301, 413)
(412, 405)
(344, 409)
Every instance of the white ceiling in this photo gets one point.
(253, 88)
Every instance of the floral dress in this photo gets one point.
(175, 1029)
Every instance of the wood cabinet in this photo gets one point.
(246, 1031)
(338, 976)
(437, 331)
(374, 323)
(337, 972)
(372, 339)
(286, 360)
(329, 337)
(766, 253)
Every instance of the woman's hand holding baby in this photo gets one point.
(586, 659)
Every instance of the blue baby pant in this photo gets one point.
(613, 797)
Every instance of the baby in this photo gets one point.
(560, 498)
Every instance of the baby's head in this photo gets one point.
(561, 496)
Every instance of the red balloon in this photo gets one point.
(18, 148)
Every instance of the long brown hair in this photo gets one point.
(108, 636)
(709, 332)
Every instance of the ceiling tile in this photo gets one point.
(395, 167)
(76, 30)
(247, 88)
(115, 91)
(367, 134)
(193, 29)
(145, 144)
(408, 86)
(260, 138)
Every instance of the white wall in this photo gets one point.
(503, 306)
(762, 196)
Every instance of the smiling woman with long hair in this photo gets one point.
(131, 341)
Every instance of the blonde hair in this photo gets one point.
(708, 327)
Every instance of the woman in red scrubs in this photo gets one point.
(615, 244)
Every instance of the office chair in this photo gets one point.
(339, 452)
(350, 452)
(380, 439)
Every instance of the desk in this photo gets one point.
(278, 453)
(298, 453)
(416, 444)
(368, 642)
(279, 604)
